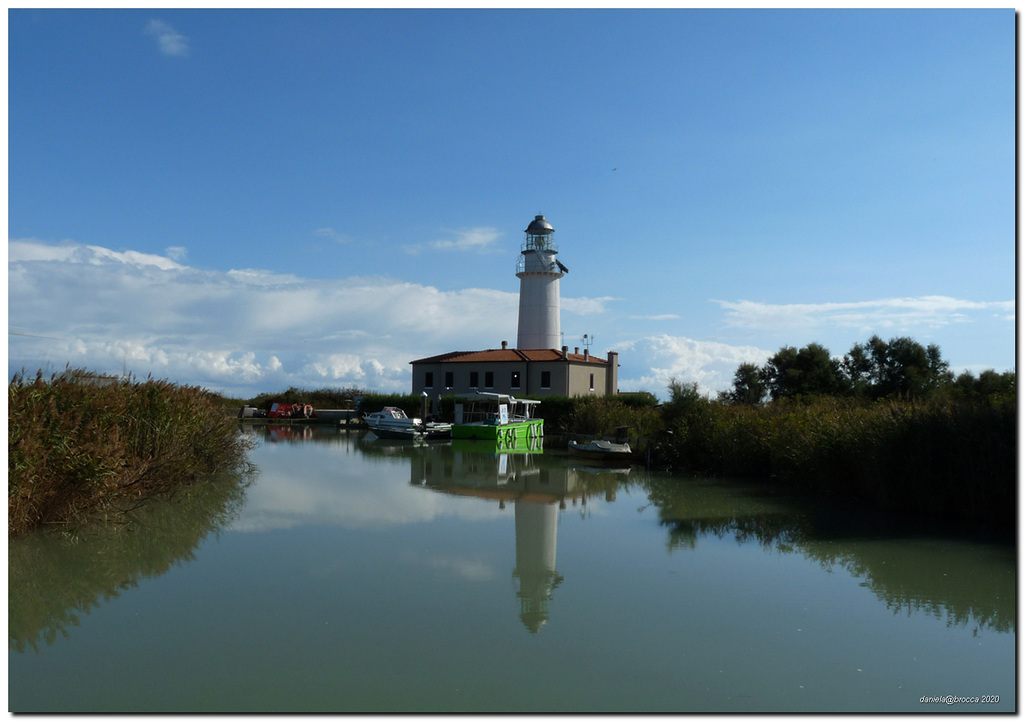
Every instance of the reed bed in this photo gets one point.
(77, 448)
(950, 458)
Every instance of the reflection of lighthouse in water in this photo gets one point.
(538, 490)
(536, 538)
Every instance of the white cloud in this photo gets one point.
(662, 358)
(663, 316)
(262, 277)
(479, 240)
(131, 257)
(176, 253)
(244, 331)
(249, 331)
(340, 365)
(883, 315)
(28, 249)
(586, 306)
(169, 40)
(332, 234)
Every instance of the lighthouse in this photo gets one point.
(539, 365)
(538, 271)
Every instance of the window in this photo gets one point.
(515, 380)
(428, 379)
(545, 380)
(449, 379)
(489, 379)
(591, 381)
(474, 379)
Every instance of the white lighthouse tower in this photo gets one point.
(539, 305)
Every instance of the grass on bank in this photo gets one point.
(78, 448)
(953, 458)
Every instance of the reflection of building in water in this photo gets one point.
(538, 488)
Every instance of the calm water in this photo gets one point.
(362, 575)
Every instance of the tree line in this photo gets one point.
(888, 424)
(877, 369)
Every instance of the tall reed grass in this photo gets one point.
(77, 448)
(949, 458)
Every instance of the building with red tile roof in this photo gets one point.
(518, 372)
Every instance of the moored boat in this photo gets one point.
(391, 417)
(604, 451)
(393, 423)
(496, 417)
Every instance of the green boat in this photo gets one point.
(496, 417)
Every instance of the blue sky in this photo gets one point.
(248, 200)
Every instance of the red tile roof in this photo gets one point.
(508, 355)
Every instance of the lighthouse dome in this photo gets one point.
(539, 226)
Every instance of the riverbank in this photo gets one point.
(78, 448)
(952, 459)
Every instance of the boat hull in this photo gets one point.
(427, 433)
(602, 452)
(509, 432)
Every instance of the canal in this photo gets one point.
(356, 575)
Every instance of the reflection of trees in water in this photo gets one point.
(769, 532)
(912, 576)
(911, 572)
(54, 578)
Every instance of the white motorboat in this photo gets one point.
(604, 451)
(393, 423)
(391, 418)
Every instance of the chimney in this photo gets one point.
(586, 355)
(565, 351)
(612, 377)
(504, 345)
(576, 350)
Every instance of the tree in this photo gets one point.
(857, 371)
(989, 383)
(747, 386)
(810, 371)
(899, 367)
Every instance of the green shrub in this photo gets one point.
(320, 398)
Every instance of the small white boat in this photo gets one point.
(391, 418)
(604, 451)
(393, 423)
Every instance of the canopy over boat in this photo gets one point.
(496, 398)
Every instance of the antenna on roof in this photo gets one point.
(588, 340)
